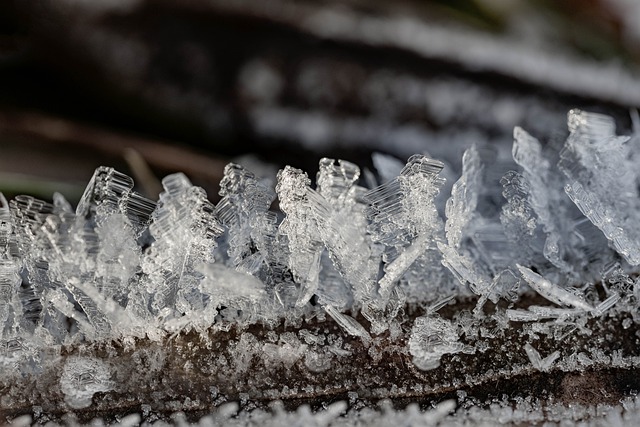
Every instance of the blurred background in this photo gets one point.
(152, 87)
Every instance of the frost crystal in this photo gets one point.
(539, 363)
(352, 275)
(82, 378)
(596, 161)
(431, 338)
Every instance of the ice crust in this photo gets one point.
(123, 267)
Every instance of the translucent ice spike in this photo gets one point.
(343, 228)
(388, 167)
(9, 268)
(519, 315)
(387, 225)
(396, 269)
(405, 205)
(29, 214)
(301, 229)
(93, 305)
(9, 283)
(464, 198)
(527, 152)
(605, 305)
(7, 229)
(348, 323)
(552, 292)
(420, 184)
(460, 211)
(520, 222)
(602, 217)
(241, 186)
(535, 313)
(107, 186)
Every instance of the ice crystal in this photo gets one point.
(596, 160)
(81, 378)
(431, 338)
(553, 248)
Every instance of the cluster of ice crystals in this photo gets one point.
(431, 338)
(120, 261)
(603, 179)
(123, 266)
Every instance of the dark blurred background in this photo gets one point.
(157, 86)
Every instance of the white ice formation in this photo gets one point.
(123, 267)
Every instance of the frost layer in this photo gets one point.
(123, 267)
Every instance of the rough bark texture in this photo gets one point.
(194, 374)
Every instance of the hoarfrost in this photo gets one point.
(538, 362)
(82, 378)
(348, 268)
(431, 338)
(552, 292)
(596, 160)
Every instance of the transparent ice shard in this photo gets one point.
(539, 363)
(348, 323)
(460, 211)
(463, 202)
(605, 305)
(33, 226)
(548, 211)
(469, 263)
(519, 219)
(551, 292)
(536, 313)
(343, 231)
(465, 269)
(244, 210)
(596, 162)
(253, 243)
(519, 315)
